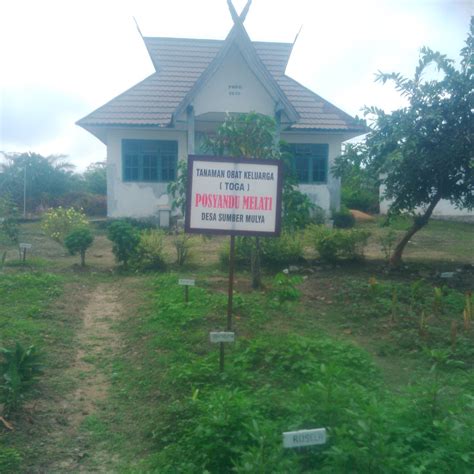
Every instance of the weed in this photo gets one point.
(18, 370)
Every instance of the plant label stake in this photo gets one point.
(222, 336)
(23, 249)
(186, 282)
(297, 439)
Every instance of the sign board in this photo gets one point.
(186, 282)
(233, 196)
(25, 246)
(222, 336)
(296, 439)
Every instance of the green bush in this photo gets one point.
(125, 239)
(284, 288)
(78, 241)
(275, 251)
(337, 244)
(150, 250)
(9, 219)
(18, 369)
(183, 245)
(366, 200)
(343, 219)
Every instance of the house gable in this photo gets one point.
(234, 87)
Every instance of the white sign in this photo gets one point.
(234, 196)
(186, 282)
(296, 439)
(222, 336)
(25, 246)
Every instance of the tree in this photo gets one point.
(360, 188)
(78, 241)
(252, 135)
(95, 178)
(424, 151)
(43, 178)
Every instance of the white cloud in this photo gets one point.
(87, 52)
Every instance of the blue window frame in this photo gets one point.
(151, 161)
(310, 162)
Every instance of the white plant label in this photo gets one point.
(296, 439)
(222, 336)
(25, 246)
(186, 282)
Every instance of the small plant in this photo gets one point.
(343, 219)
(284, 288)
(18, 369)
(60, 222)
(387, 243)
(438, 301)
(150, 250)
(10, 460)
(183, 244)
(125, 239)
(78, 241)
(177, 188)
(467, 313)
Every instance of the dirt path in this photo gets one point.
(96, 341)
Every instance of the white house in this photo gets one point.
(164, 118)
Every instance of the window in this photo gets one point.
(310, 162)
(149, 160)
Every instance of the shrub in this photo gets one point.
(275, 251)
(183, 245)
(336, 244)
(125, 239)
(18, 369)
(78, 241)
(59, 222)
(284, 288)
(9, 219)
(150, 250)
(283, 250)
(343, 219)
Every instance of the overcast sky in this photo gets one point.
(60, 60)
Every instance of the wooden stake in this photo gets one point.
(230, 296)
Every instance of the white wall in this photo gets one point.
(140, 200)
(444, 209)
(234, 88)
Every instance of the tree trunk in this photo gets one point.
(420, 222)
(83, 258)
(255, 265)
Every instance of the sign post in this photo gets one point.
(23, 249)
(233, 196)
(186, 282)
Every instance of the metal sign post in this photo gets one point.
(233, 196)
(230, 296)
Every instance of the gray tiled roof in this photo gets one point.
(180, 62)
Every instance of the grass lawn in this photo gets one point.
(382, 360)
